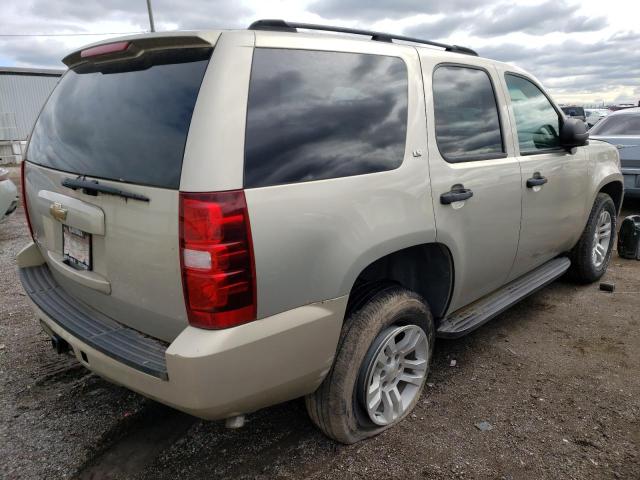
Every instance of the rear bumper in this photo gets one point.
(631, 181)
(12, 208)
(216, 374)
(8, 199)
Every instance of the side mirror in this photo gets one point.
(573, 133)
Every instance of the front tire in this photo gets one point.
(591, 255)
(380, 368)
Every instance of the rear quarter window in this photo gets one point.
(316, 115)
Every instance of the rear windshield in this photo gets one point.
(623, 124)
(127, 121)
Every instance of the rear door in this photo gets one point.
(555, 182)
(121, 127)
(475, 177)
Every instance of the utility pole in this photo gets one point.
(151, 25)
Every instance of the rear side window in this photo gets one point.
(315, 115)
(537, 122)
(466, 114)
(621, 124)
(128, 121)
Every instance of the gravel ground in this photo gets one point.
(557, 378)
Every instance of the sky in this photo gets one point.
(585, 52)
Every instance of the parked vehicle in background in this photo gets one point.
(293, 214)
(594, 115)
(621, 106)
(622, 129)
(574, 112)
(8, 195)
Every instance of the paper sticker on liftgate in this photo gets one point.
(76, 248)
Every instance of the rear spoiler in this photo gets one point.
(134, 46)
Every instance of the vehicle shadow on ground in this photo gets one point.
(163, 443)
(280, 441)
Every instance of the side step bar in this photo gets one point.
(469, 318)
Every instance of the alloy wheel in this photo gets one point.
(602, 239)
(396, 369)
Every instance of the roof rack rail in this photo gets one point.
(282, 26)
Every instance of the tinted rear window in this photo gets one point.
(315, 115)
(622, 124)
(127, 123)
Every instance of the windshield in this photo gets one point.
(128, 121)
(623, 124)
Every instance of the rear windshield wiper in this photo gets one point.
(92, 187)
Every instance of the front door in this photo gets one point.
(555, 185)
(475, 176)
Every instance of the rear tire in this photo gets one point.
(339, 406)
(591, 255)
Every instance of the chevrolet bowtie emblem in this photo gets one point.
(58, 212)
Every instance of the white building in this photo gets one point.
(23, 92)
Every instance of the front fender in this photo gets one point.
(604, 163)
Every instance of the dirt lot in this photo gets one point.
(558, 378)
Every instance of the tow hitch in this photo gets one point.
(59, 344)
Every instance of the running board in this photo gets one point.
(469, 318)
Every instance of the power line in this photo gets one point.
(65, 34)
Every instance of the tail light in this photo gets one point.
(23, 187)
(216, 255)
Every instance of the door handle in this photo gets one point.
(536, 180)
(457, 194)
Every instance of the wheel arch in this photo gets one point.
(426, 269)
(615, 190)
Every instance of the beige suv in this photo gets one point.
(223, 221)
